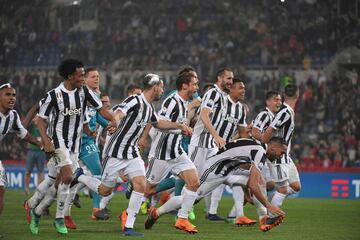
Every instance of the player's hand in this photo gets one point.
(142, 143)
(49, 148)
(111, 127)
(186, 130)
(275, 210)
(93, 134)
(220, 142)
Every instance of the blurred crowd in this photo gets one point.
(327, 132)
(138, 34)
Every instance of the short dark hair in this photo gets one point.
(187, 69)
(277, 140)
(207, 85)
(291, 90)
(184, 78)
(104, 94)
(150, 80)
(237, 80)
(271, 94)
(89, 69)
(68, 67)
(131, 87)
(222, 70)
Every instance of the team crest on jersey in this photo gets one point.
(163, 110)
(59, 96)
(210, 102)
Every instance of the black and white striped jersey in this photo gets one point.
(166, 145)
(11, 123)
(235, 159)
(263, 120)
(123, 144)
(284, 125)
(67, 109)
(234, 117)
(216, 100)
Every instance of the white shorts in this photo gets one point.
(268, 172)
(63, 157)
(158, 169)
(213, 181)
(3, 179)
(199, 154)
(132, 167)
(285, 173)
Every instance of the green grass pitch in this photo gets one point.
(306, 219)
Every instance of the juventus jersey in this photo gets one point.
(284, 125)
(123, 143)
(11, 123)
(235, 159)
(234, 117)
(263, 120)
(67, 109)
(215, 100)
(167, 145)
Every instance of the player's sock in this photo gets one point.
(46, 202)
(133, 208)
(188, 200)
(232, 213)
(215, 199)
(238, 195)
(179, 184)
(260, 209)
(70, 200)
(91, 182)
(62, 195)
(207, 200)
(40, 192)
(104, 201)
(165, 184)
(277, 200)
(172, 204)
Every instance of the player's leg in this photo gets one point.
(294, 179)
(135, 169)
(29, 165)
(92, 162)
(40, 164)
(3, 182)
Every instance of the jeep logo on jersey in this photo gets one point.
(70, 112)
(231, 119)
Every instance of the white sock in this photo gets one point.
(133, 208)
(232, 213)
(260, 209)
(40, 192)
(104, 201)
(91, 182)
(62, 195)
(277, 200)
(207, 200)
(188, 200)
(216, 195)
(70, 200)
(172, 204)
(46, 202)
(238, 195)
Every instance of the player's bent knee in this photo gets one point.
(193, 185)
(296, 186)
(104, 191)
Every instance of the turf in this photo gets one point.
(306, 219)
